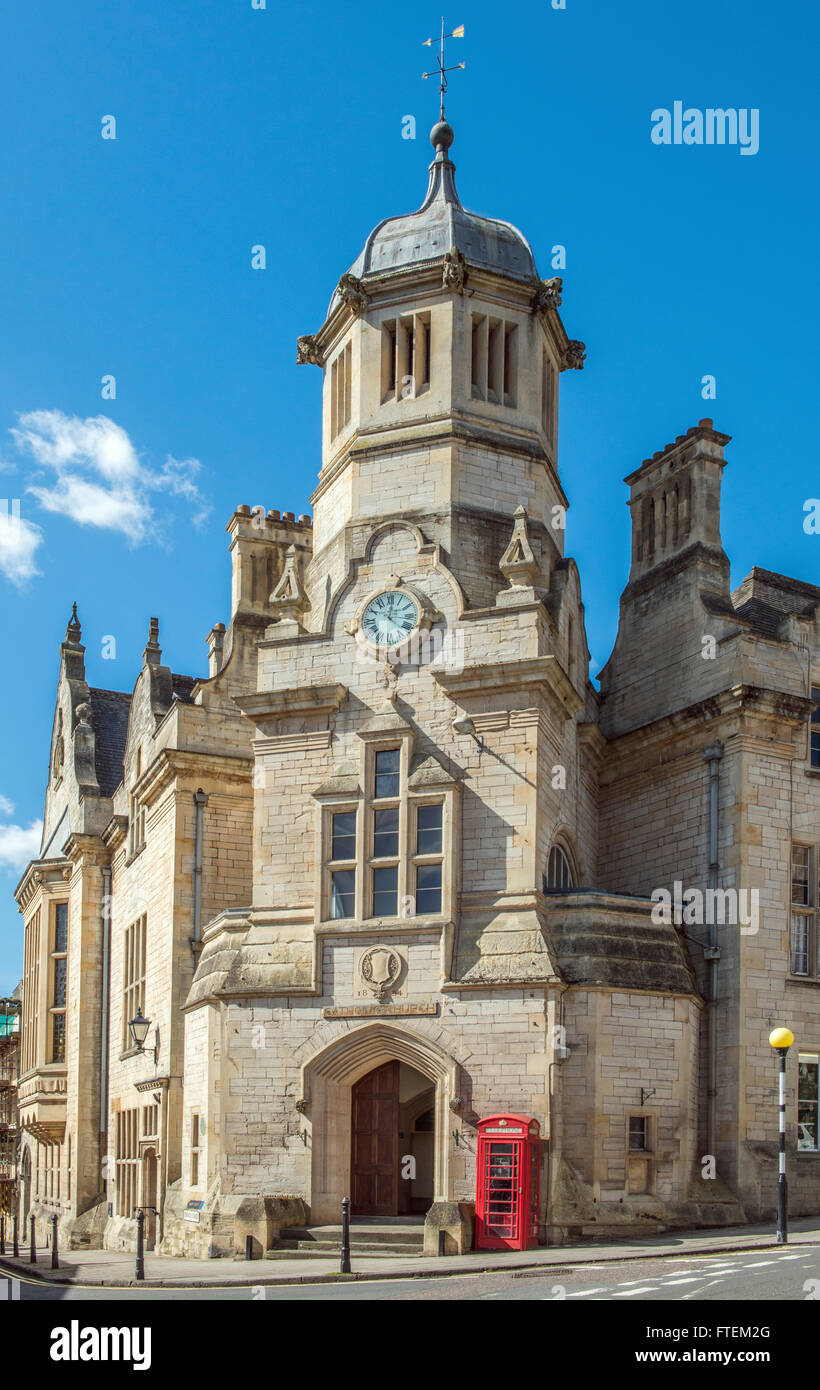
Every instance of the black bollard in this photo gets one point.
(55, 1255)
(140, 1273)
(248, 1247)
(345, 1265)
(441, 1235)
(2, 1233)
(15, 1248)
(32, 1252)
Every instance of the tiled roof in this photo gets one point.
(109, 714)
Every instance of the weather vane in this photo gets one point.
(442, 70)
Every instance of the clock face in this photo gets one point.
(389, 618)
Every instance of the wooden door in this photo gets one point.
(149, 1197)
(375, 1143)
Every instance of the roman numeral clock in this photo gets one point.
(391, 620)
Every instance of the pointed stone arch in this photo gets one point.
(327, 1080)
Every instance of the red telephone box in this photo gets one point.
(508, 1181)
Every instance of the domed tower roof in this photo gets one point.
(441, 225)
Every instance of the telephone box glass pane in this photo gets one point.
(502, 1188)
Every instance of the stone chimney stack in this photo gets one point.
(674, 498)
(679, 571)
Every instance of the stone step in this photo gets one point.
(372, 1235)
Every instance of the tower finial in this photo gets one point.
(153, 651)
(457, 33)
(73, 632)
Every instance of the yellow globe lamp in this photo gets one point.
(781, 1038)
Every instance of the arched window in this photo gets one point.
(559, 873)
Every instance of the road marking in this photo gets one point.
(693, 1279)
(586, 1293)
(695, 1292)
(630, 1293)
(758, 1264)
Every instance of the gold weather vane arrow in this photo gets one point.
(441, 70)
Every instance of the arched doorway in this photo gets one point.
(374, 1143)
(149, 1197)
(328, 1082)
(392, 1136)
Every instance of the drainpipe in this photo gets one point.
(104, 1023)
(712, 755)
(200, 798)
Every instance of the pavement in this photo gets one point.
(115, 1269)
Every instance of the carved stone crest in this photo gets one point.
(547, 295)
(453, 271)
(380, 968)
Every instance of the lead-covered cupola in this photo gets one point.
(442, 225)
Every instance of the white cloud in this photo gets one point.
(19, 542)
(17, 845)
(99, 478)
(6, 806)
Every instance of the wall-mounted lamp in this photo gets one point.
(465, 725)
(138, 1028)
(645, 1096)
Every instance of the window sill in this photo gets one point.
(421, 922)
(135, 854)
(132, 1052)
(812, 771)
(813, 980)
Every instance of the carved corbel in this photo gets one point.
(352, 293)
(547, 295)
(454, 271)
(308, 352)
(574, 354)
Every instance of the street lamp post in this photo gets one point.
(781, 1040)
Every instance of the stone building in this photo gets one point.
(9, 1070)
(388, 869)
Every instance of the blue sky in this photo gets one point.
(239, 126)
